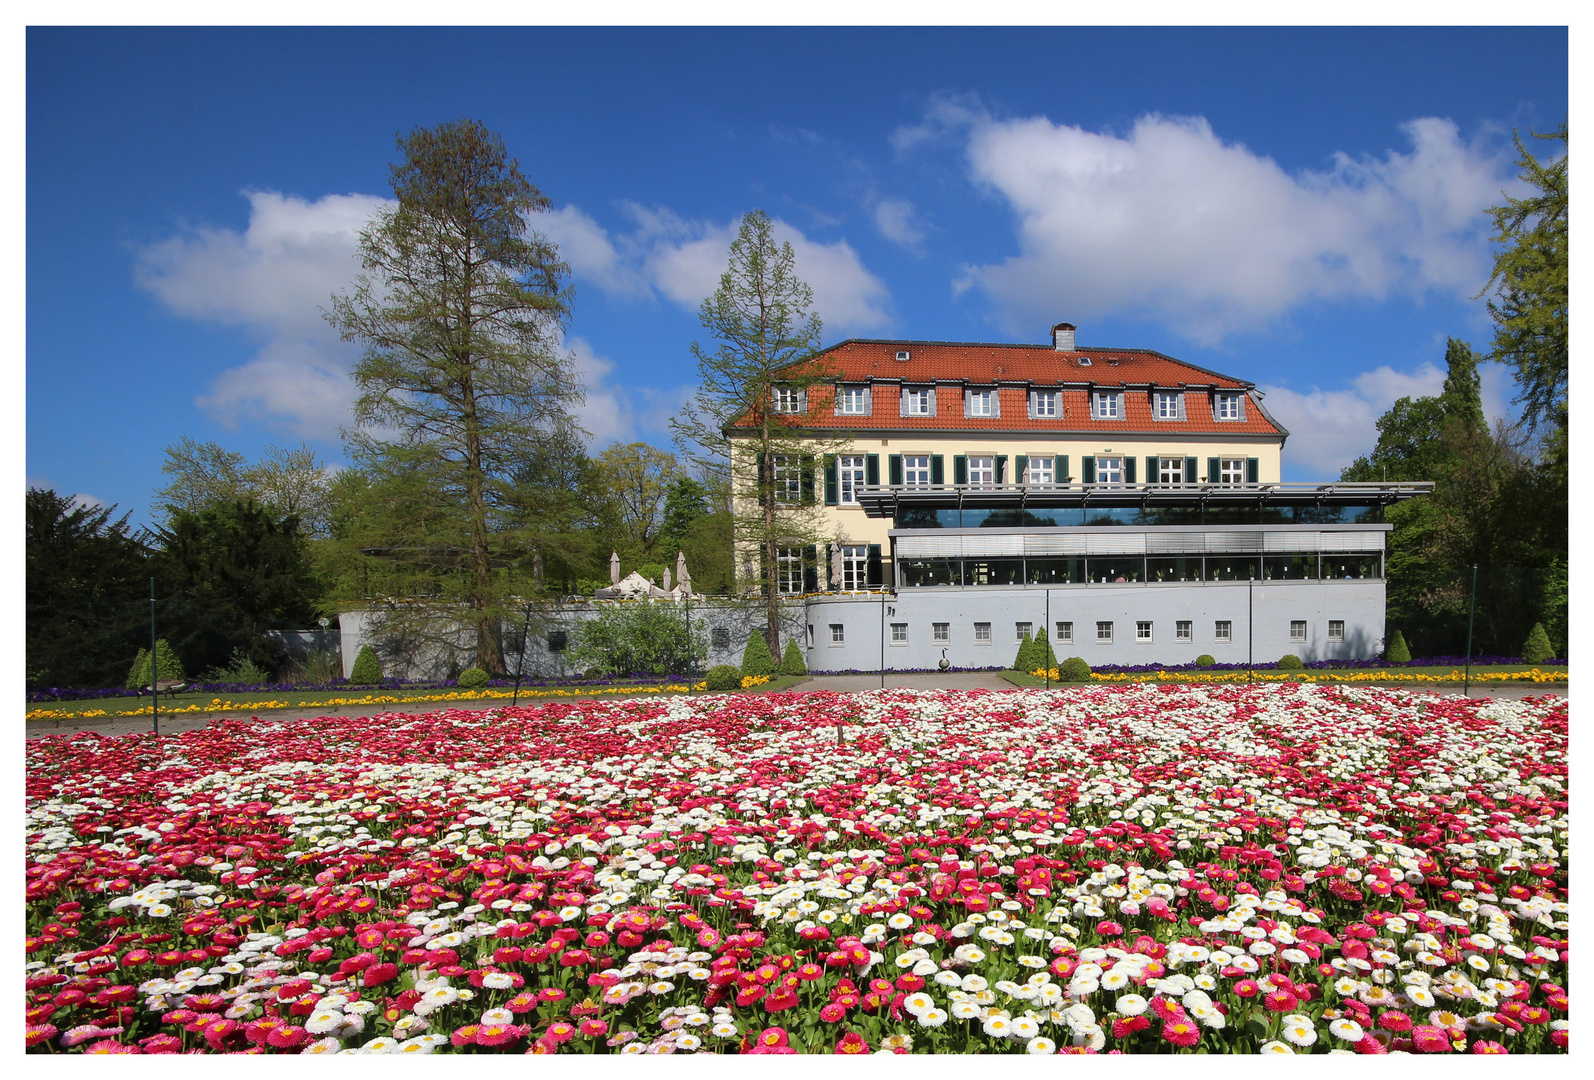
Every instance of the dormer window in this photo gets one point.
(918, 401)
(1229, 406)
(1167, 405)
(787, 399)
(852, 401)
(1043, 404)
(980, 403)
(1107, 405)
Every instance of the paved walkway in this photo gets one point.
(952, 680)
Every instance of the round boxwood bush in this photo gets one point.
(1290, 662)
(1205, 660)
(367, 668)
(1074, 670)
(472, 678)
(724, 677)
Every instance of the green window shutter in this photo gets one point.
(832, 481)
(1088, 464)
(810, 569)
(894, 470)
(1214, 469)
(764, 492)
(805, 480)
(1001, 468)
(1251, 470)
(1060, 468)
(960, 469)
(937, 469)
(1153, 470)
(1020, 468)
(876, 576)
(1129, 470)
(1189, 467)
(871, 470)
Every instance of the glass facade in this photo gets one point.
(1050, 570)
(1038, 517)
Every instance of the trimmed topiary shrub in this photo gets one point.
(791, 661)
(138, 674)
(756, 659)
(1205, 660)
(1290, 662)
(1074, 670)
(725, 676)
(167, 666)
(367, 668)
(1024, 659)
(472, 678)
(1397, 653)
(1044, 656)
(1536, 649)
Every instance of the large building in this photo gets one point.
(1128, 502)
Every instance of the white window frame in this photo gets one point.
(1045, 404)
(981, 404)
(1117, 470)
(941, 631)
(852, 401)
(1223, 630)
(1041, 470)
(981, 470)
(1170, 470)
(1167, 405)
(1231, 472)
(838, 634)
(982, 633)
(1297, 630)
(789, 571)
(1336, 629)
(899, 633)
(916, 470)
(1023, 631)
(1103, 633)
(1184, 630)
(1065, 633)
(851, 472)
(1107, 405)
(854, 567)
(787, 399)
(1228, 406)
(812, 637)
(1143, 630)
(786, 477)
(918, 401)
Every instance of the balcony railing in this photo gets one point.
(886, 500)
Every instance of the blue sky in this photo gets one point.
(1298, 207)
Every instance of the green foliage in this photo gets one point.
(1206, 660)
(639, 636)
(1291, 662)
(317, 667)
(1398, 653)
(636, 480)
(167, 666)
(238, 669)
(1044, 656)
(791, 661)
(472, 678)
(286, 482)
(138, 674)
(367, 668)
(756, 658)
(1024, 659)
(1537, 648)
(1074, 670)
(724, 677)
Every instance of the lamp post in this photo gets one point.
(1472, 609)
(1250, 634)
(154, 668)
(882, 638)
(1046, 629)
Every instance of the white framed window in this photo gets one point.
(1229, 406)
(854, 567)
(812, 639)
(1183, 630)
(1107, 405)
(838, 636)
(982, 633)
(1170, 470)
(981, 403)
(788, 478)
(851, 469)
(1042, 470)
(1044, 403)
(1065, 633)
(1109, 470)
(1336, 629)
(1022, 630)
(982, 471)
(789, 570)
(1222, 630)
(1104, 633)
(852, 401)
(918, 401)
(1231, 472)
(899, 633)
(941, 631)
(1143, 631)
(916, 469)
(1167, 405)
(787, 399)
(1297, 629)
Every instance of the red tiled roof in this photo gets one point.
(1136, 371)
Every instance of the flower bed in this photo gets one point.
(1139, 869)
(1264, 673)
(390, 685)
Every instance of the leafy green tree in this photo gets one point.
(285, 481)
(463, 380)
(746, 422)
(87, 592)
(637, 481)
(641, 636)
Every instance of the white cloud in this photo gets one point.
(607, 413)
(272, 280)
(682, 261)
(1329, 429)
(895, 220)
(1170, 222)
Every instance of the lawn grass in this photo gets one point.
(1421, 676)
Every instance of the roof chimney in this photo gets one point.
(1063, 337)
